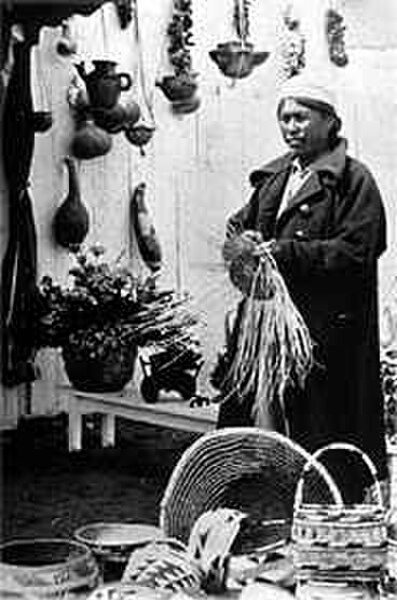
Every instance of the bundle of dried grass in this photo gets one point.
(274, 347)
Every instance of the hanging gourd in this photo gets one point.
(112, 119)
(145, 232)
(237, 58)
(180, 87)
(71, 220)
(335, 32)
(139, 131)
(89, 140)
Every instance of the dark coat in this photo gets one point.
(328, 242)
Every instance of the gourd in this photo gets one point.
(71, 220)
(112, 119)
(90, 141)
(145, 232)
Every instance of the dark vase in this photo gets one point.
(108, 374)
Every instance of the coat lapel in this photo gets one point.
(269, 202)
(310, 192)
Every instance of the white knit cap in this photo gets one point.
(314, 88)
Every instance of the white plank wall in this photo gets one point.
(196, 167)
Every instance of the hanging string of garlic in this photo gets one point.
(274, 347)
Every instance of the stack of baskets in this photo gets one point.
(336, 542)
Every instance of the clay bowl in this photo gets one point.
(112, 543)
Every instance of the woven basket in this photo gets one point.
(392, 464)
(347, 542)
(244, 468)
(163, 565)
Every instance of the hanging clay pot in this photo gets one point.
(90, 141)
(139, 135)
(237, 60)
(104, 85)
(111, 120)
(41, 121)
(71, 220)
(186, 106)
(66, 46)
(178, 87)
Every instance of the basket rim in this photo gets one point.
(85, 554)
(244, 433)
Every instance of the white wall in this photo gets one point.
(197, 165)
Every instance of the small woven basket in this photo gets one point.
(335, 540)
(163, 565)
(244, 468)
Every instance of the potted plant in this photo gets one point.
(101, 316)
(181, 85)
(237, 58)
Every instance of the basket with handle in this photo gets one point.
(247, 469)
(337, 540)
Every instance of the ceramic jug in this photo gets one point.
(103, 84)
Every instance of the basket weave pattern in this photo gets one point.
(210, 473)
(163, 565)
(339, 540)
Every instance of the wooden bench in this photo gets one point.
(174, 414)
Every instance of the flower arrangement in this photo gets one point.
(105, 311)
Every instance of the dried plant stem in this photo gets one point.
(274, 347)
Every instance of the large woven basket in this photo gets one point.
(337, 540)
(244, 468)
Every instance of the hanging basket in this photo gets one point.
(106, 374)
(178, 87)
(236, 59)
(336, 540)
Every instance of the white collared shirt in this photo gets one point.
(295, 181)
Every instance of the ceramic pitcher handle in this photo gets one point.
(125, 81)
